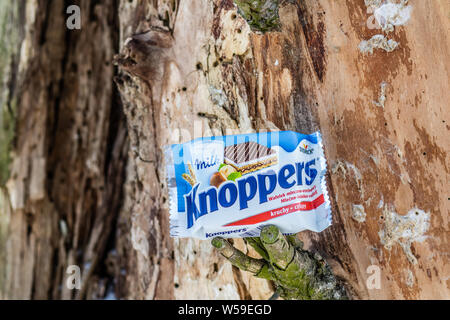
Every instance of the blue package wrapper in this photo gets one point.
(232, 186)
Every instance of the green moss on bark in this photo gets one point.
(7, 127)
(10, 30)
(297, 273)
(4, 222)
(261, 15)
(9, 48)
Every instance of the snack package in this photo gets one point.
(232, 186)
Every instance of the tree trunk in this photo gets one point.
(69, 152)
(82, 166)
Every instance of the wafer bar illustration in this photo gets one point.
(249, 157)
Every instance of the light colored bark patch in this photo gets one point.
(392, 14)
(217, 96)
(236, 41)
(378, 41)
(409, 278)
(359, 214)
(382, 97)
(37, 181)
(373, 4)
(404, 230)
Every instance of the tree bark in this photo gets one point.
(69, 152)
(83, 178)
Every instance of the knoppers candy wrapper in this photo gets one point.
(232, 186)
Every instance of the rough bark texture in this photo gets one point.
(86, 186)
(69, 153)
